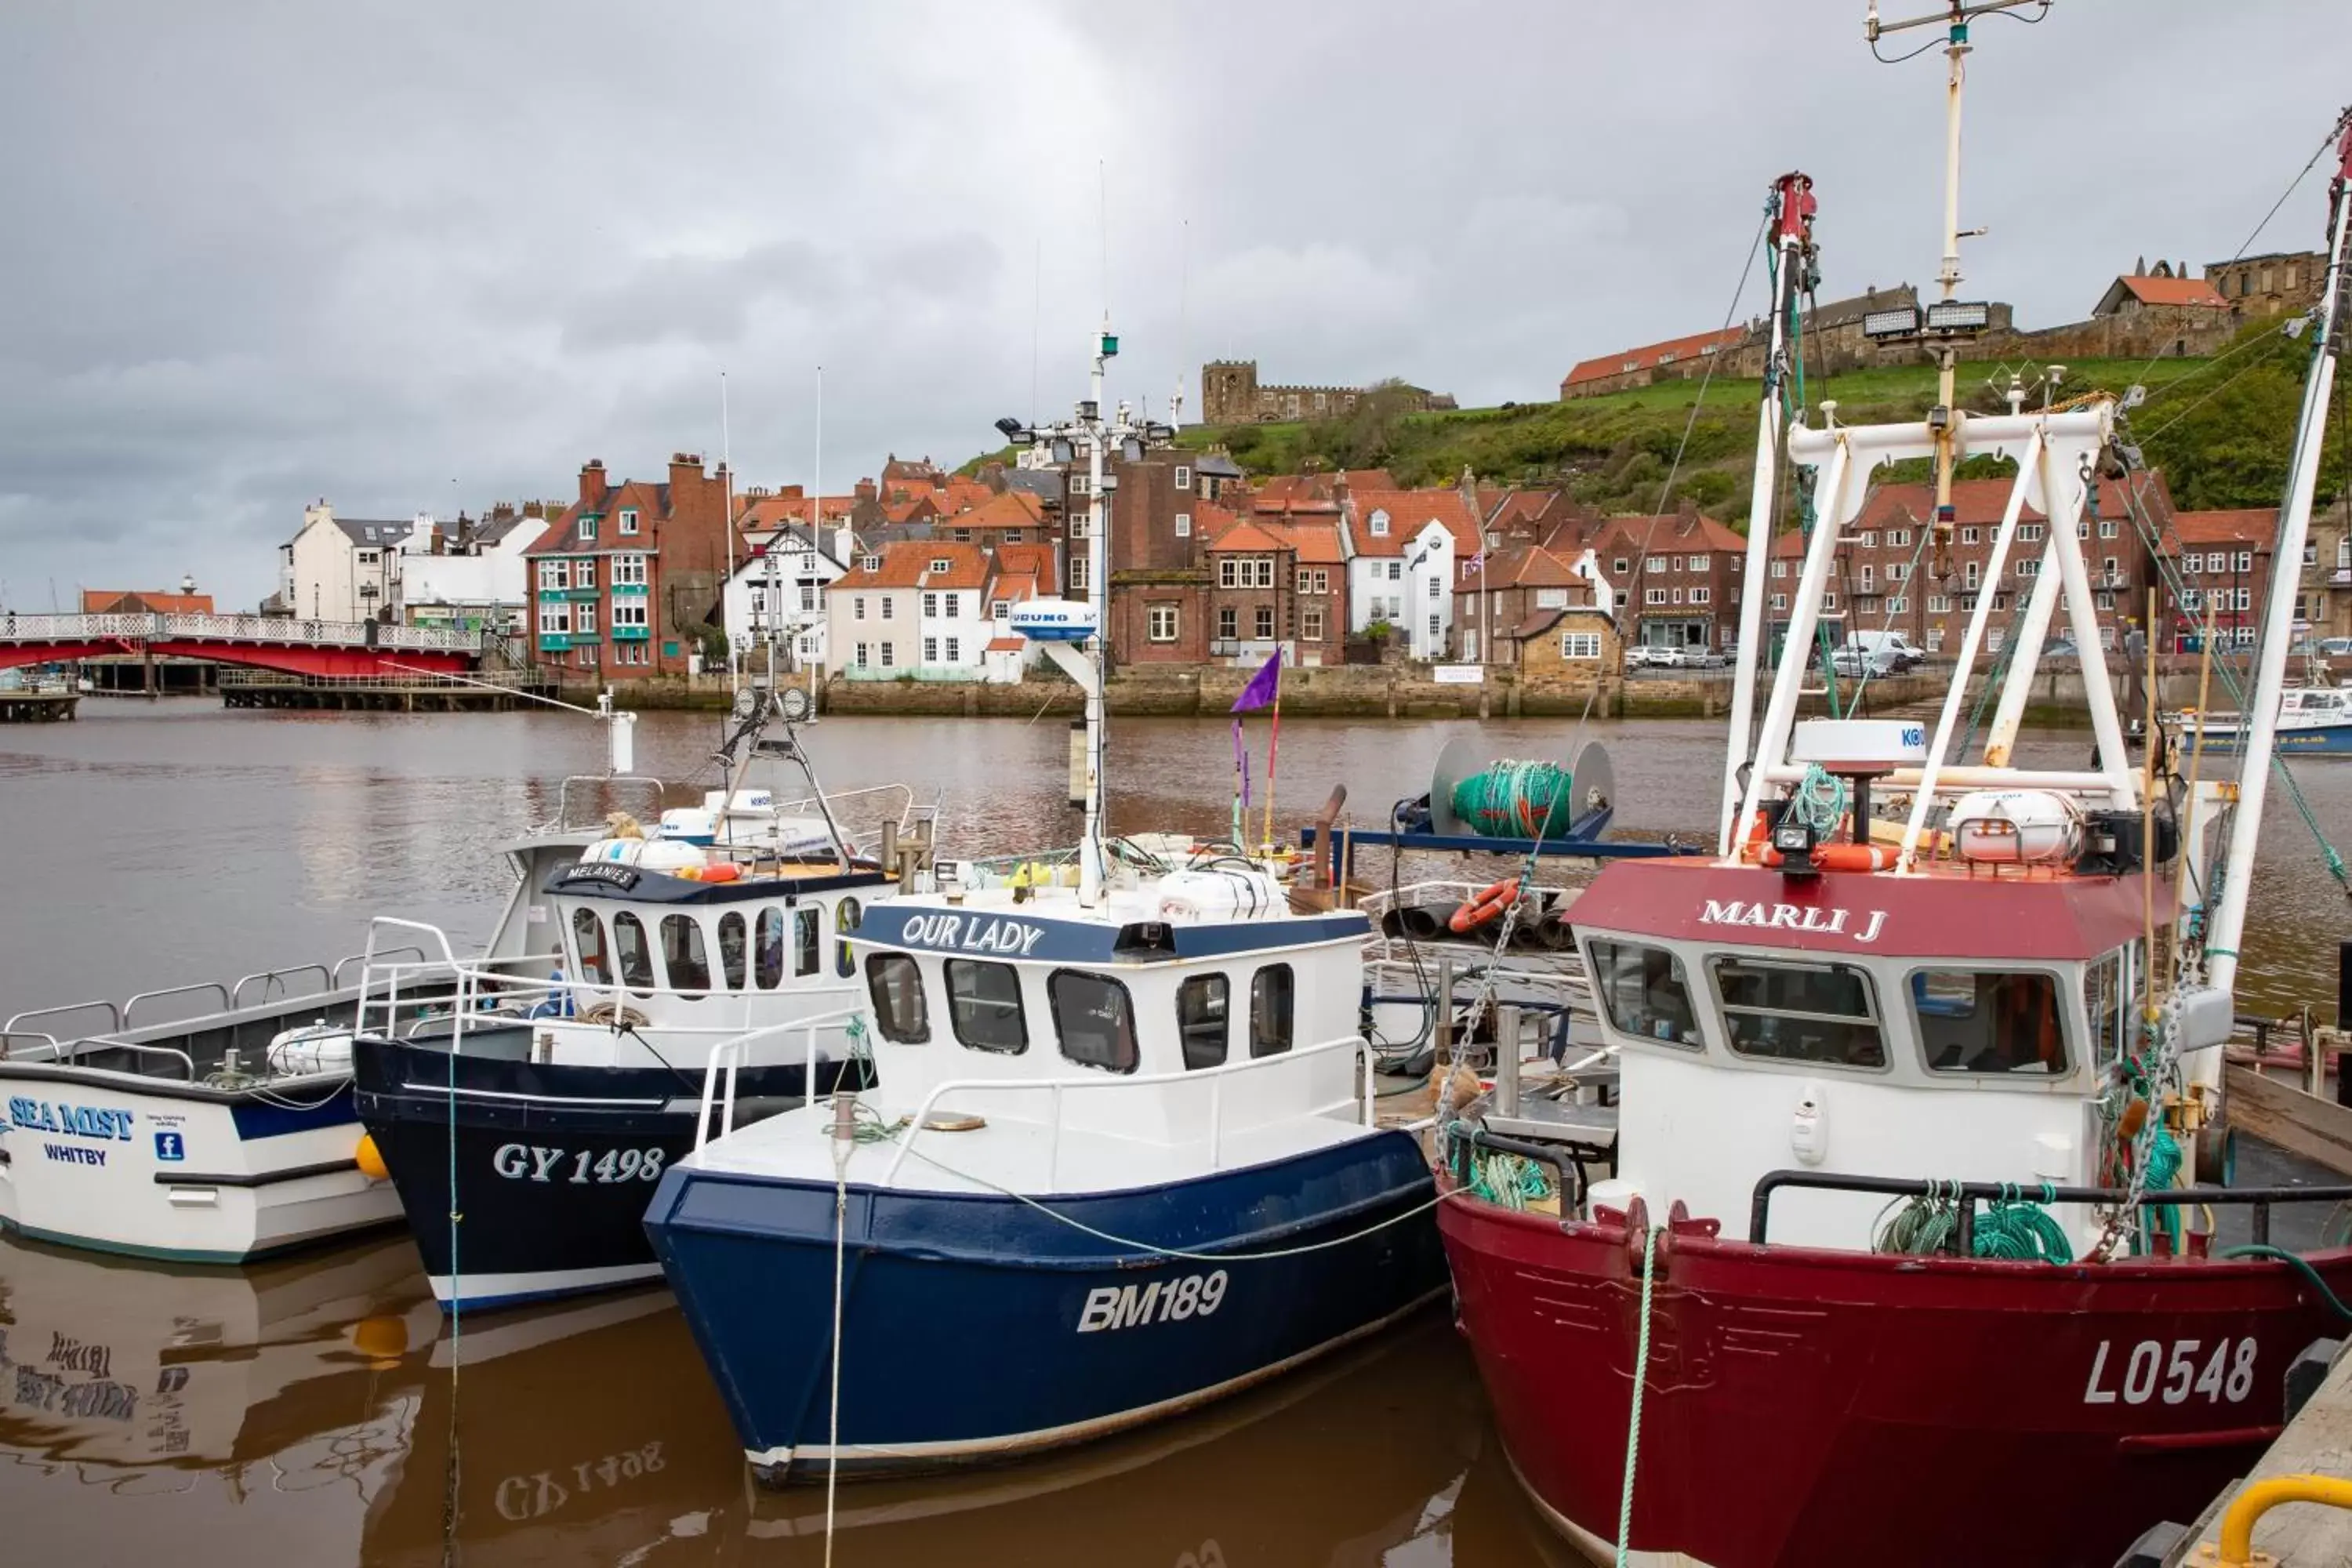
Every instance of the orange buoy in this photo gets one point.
(1843, 858)
(1491, 901)
(370, 1160)
(721, 871)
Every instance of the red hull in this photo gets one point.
(1821, 1408)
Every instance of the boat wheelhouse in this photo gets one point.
(567, 1091)
(1117, 1162)
(2313, 721)
(1117, 1156)
(1911, 1158)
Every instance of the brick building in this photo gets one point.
(631, 572)
(1575, 646)
(1503, 596)
(2223, 557)
(1671, 360)
(1680, 575)
(1888, 577)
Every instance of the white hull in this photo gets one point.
(113, 1161)
(476, 1292)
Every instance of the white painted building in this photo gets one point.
(916, 608)
(793, 568)
(339, 568)
(1403, 572)
(469, 575)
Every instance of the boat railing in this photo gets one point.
(1359, 1100)
(276, 981)
(652, 789)
(1443, 888)
(75, 1051)
(1971, 1194)
(362, 958)
(728, 1057)
(14, 1026)
(198, 988)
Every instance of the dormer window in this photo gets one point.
(1379, 523)
(587, 527)
(939, 564)
(869, 563)
(628, 520)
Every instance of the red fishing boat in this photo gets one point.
(1894, 1230)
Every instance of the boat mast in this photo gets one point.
(2262, 707)
(1792, 227)
(1091, 866)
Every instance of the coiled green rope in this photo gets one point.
(2011, 1227)
(1509, 1181)
(1517, 800)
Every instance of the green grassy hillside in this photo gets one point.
(2220, 430)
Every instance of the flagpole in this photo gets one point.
(1273, 745)
(1239, 786)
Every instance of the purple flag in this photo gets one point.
(1263, 686)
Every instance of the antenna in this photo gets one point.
(1184, 322)
(1036, 310)
(727, 473)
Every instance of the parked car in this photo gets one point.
(1705, 658)
(2336, 648)
(1902, 652)
(1668, 657)
(1854, 663)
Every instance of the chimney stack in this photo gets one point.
(591, 484)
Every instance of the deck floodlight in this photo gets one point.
(1132, 449)
(1899, 322)
(1012, 429)
(1160, 432)
(1959, 316)
(1089, 409)
(1065, 449)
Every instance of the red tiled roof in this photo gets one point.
(1649, 355)
(760, 513)
(1032, 561)
(2174, 291)
(1672, 531)
(1251, 537)
(1007, 645)
(1369, 478)
(2253, 527)
(134, 601)
(1014, 508)
(1314, 540)
(906, 564)
(1409, 512)
(650, 501)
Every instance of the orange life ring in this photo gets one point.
(1491, 901)
(1845, 858)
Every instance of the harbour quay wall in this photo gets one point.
(1380, 691)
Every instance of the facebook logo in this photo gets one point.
(170, 1146)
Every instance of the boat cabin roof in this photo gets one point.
(621, 883)
(1943, 912)
(1052, 928)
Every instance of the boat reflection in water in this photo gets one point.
(310, 1406)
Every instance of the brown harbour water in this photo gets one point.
(318, 1411)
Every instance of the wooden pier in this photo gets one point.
(493, 692)
(38, 705)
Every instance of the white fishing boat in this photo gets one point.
(2313, 721)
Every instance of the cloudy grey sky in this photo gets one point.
(430, 253)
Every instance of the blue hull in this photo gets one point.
(2318, 741)
(976, 1328)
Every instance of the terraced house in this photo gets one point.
(632, 572)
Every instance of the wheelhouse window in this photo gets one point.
(768, 960)
(588, 935)
(1788, 1010)
(1203, 1009)
(985, 1006)
(896, 988)
(1094, 1018)
(1974, 1022)
(1644, 991)
(634, 954)
(2107, 990)
(1270, 990)
(846, 915)
(684, 959)
(730, 949)
(806, 921)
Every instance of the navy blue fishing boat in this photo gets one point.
(1120, 1158)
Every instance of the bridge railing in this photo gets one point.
(291, 631)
